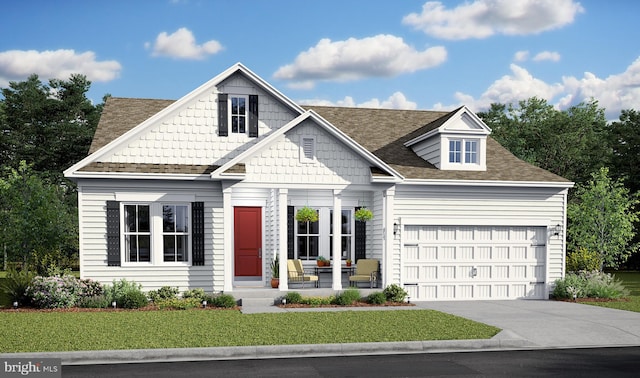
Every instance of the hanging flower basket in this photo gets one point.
(363, 214)
(307, 214)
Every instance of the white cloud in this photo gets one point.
(396, 101)
(17, 65)
(547, 55)
(378, 56)
(182, 45)
(614, 93)
(484, 18)
(521, 56)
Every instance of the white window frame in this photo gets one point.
(464, 164)
(245, 115)
(176, 234)
(124, 245)
(156, 234)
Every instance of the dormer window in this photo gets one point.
(238, 114)
(239, 111)
(463, 151)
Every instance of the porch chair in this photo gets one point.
(296, 273)
(366, 271)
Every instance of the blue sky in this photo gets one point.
(410, 54)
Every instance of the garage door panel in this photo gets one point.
(474, 262)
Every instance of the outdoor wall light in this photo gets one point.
(557, 230)
(396, 228)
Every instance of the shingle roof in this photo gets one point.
(381, 131)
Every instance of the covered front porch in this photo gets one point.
(276, 232)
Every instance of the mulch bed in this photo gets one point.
(79, 309)
(356, 304)
(588, 300)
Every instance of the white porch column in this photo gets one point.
(227, 216)
(389, 238)
(282, 238)
(337, 240)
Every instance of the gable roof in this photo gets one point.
(383, 132)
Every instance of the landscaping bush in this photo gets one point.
(195, 293)
(120, 290)
(224, 300)
(395, 293)
(15, 285)
(348, 297)
(318, 301)
(133, 299)
(377, 298)
(179, 303)
(293, 297)
(165, 292)
(90, 288)
(589, 285)
(583, 259)
(94, 301)
(54, 292)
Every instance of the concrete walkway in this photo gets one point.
(525, 324)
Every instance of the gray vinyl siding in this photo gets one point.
(93, 246)
(449, 205)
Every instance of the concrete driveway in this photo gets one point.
(551, 324)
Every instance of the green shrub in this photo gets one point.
(224, 301)
(293, 297)
(16, 283)
(165, 292)
(120, 290)
(377, 298)
(318, 301)
(96, 301)
(347, 297)
(133, 299)
(197, 293)
(90, 288)
(583, 259)
(179, 303)
(589, 285)
(395, 293)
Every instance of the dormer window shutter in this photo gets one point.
(223, 117)
(253, 116)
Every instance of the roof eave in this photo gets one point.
(485, 183)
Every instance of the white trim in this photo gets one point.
(461, 113)
(473, 221)
(248, 202)
(154, 197)
(139, 176)
(452, 182)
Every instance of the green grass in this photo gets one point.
(632, 305)
(631, 281)
(72, 331)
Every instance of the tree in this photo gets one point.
(570, 143)
(601, 217)
(625, 141)
(48, 126)
(37, 227)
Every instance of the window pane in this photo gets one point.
(182, 245)
(143, 218)
(313, 247)
(346, 221)
(130, 218)
(131, 246)
(169, 245)
(234, 124)
(182, 219)
(234, 105)
(242, 105)
(144, 248)
(471, 151)
(346, 247)
(168, 218)
(454, 151)
(241, 124)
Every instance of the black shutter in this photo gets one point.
(361, 239)
(113, 233)
(253, 116)
(291, 224)
(223, 119)
(197, 235)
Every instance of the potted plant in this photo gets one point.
(363, 214)
(275, 272)
(322, 261)
(348, 262)
(307, 214)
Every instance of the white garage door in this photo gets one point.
(473, 262)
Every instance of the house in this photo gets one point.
(202, 192)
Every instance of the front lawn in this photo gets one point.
(74, 331)
(631, 281)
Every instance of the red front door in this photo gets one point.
(247, 238)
